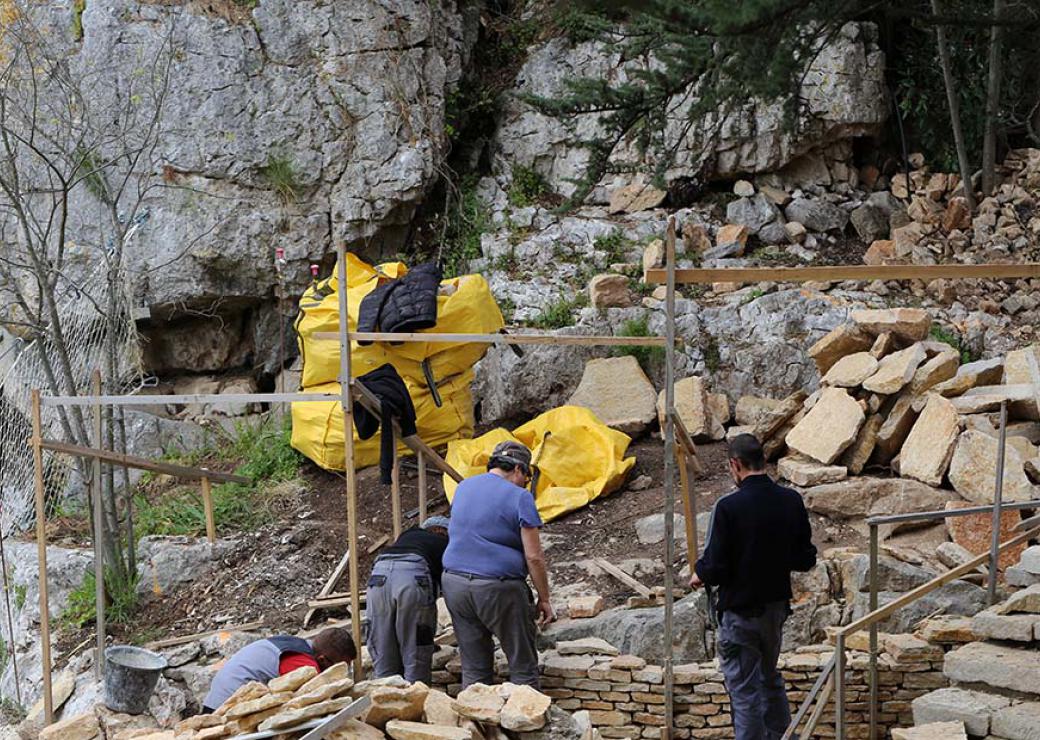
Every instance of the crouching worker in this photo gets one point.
(275, 656)
(401, 603)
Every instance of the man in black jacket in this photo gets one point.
(758, 534)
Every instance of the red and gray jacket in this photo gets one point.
(257, 661)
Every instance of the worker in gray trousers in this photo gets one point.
(401, 603)
(494, 545)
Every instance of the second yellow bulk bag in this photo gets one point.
(580, 458)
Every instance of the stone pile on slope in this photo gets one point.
(890, 397)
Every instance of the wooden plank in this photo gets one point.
(377, 544)
(371, 402)
(951, 575)
(41, 554)
(172, 641)
(587, 340)
(625, 578)
(990, 271)
(347, 407)
(395, 491)
(207, 503)
(185, 399)
(420, 458)
(689, 506)
(99, 533)
(141, 463)
(330, 583)
(687, 442)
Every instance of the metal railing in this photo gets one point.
(820, 692)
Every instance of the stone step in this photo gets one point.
(1017, 722)
(999, 666)
(973, 708)
(993, 624)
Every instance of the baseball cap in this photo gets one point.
(513, 453)
(435, 521)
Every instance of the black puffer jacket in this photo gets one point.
(403, 305)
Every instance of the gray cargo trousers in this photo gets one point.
(485, 607)
(748, 650)
(401, 609)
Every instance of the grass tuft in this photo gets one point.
(280, 173)
(647, 357)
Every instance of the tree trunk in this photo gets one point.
(954, 105)
(996, 73)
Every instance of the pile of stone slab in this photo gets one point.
(891, 397)
(398, 709)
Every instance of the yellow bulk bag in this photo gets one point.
(580, 459)
(317, 429)
(465, 306)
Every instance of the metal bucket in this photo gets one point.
(130, 677)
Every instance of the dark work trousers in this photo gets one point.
(748, 650)
(485, 607)
(401, 607)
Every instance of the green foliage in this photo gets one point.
(940, 334)
(754, 295)
(120, 595)
(20, 592)
(615, 245)
(647, 357)
(280, 173)
(267, 458)
(467, 221)
(712, 356)
(91, 170)
(527, 188)
(78, 6)
(560, 313)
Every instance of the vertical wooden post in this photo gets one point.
(41, 550)
(395, 488)
(99, 533)
(689, 510)
(347, 404)
(998, 500)
(669, 483)
(207, 503)
(421, 459)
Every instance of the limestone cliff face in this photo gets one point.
(345, 98)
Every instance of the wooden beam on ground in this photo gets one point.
(585, 340)
(989, 271)
(377, 544)
(330, 583)
(172, 641)
(625, 578)
(329, 602)
(141, 463)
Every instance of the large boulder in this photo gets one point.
(617, 390)
(973, 469)
(829, 427)
(816, 215)
(760, 215)
(843, 91)
(693, 404)
(926, 453)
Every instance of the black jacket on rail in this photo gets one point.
(403, 305)
(385, 383)
(758, 534)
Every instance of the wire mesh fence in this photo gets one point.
(83, 306)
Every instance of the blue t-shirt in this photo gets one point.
(484, 531)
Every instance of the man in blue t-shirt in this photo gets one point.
(493, 544)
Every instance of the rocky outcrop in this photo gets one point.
(843, 89)
(345, 101)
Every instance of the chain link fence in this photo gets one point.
(83, 305)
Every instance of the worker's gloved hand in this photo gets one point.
(546, 613)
